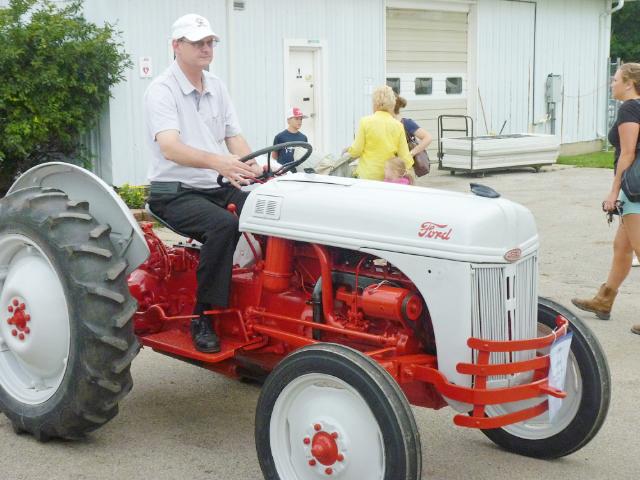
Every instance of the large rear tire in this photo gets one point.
(329, 410)
(583, 411)
(66, 336)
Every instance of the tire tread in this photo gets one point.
(98, 373)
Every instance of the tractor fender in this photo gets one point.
(104, 204)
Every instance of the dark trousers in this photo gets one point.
(202, 215)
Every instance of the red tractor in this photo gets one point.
(351, 300)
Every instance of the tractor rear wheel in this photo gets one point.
(66, 336)
(329, 410)
(583, 410)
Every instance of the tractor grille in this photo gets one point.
(505, 305)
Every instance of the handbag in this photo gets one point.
(421, 163)
(631, 181)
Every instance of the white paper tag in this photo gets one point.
(558, 357)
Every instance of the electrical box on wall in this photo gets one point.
(553, 91)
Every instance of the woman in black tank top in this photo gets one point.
(625, 137)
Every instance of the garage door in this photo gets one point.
(427, 63)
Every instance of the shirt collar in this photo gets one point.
(185, 85)
(382, 112)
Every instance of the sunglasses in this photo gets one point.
(200, 44)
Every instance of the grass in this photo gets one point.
(591, 160)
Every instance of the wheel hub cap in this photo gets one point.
(324, 448)
(19, 319)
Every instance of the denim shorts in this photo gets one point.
(629, 207)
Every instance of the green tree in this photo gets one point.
(56, 73)
(625, 34)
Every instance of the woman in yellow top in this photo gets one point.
(380, 137)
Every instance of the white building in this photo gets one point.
(489, 59)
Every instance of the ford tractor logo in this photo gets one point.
(435, 231)
(513, 255)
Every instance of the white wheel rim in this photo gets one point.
(540, 428)
(34, 334)
(307, 414)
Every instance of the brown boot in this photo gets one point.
(636, 329)
(600, 304)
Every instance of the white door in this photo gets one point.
(427, 64)
(302, 88)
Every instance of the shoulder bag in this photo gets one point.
(421, 163)
(631, 180)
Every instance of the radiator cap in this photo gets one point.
(483, 191)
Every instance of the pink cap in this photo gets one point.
(295, 112)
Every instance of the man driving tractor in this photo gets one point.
(188, 116)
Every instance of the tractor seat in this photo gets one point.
(147, 209)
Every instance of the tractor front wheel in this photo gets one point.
(66, 337)
(583, 410)
(328, 410)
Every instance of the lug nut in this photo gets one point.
(307, 441)
(312, 463)
(14, 332)
(334, 434)
(340, 457)
(10, 309)
(21, 336)
(329, 471)
(317, 427)
(15, 302)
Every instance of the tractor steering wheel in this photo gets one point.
(270, 173)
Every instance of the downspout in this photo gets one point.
(616, 8)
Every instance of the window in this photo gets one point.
(394, 83)
(423, 86)
(454, 85)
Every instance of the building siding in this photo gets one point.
(571, 39)
(353, 34)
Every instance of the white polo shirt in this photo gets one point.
(204, 120)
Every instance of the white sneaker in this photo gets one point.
(635, 262)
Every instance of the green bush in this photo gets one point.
(134, 196)
(57, 70)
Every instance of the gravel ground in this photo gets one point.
(184, 422)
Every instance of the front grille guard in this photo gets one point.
(480, 396)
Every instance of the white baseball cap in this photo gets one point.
(193, 27)
(295, 112)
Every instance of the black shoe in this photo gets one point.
(204, 338)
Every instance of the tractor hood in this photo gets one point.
(363, 214)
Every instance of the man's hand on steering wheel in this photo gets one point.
(236, 171)
(252, 171)
(256, 167)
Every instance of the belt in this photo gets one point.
(171, 188)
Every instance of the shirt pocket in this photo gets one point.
(214, 120)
